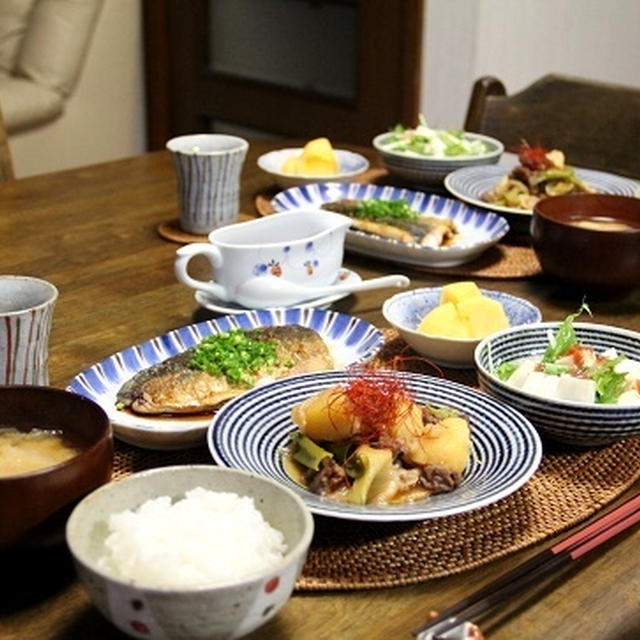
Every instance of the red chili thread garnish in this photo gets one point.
(377, 400)
(401, 362)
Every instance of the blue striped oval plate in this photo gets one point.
(570, 422)
(250, 432)
(350, 340)
(479, 229)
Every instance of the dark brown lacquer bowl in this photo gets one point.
(34, 506)
(589, 240)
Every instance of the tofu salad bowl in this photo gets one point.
(578, 382)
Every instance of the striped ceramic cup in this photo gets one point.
(26, 308)
(208, 167)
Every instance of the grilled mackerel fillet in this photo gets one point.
(427, 231)
(172, 387)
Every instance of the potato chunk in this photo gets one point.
(326, 416)
(446, 444)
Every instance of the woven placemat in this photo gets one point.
(508, 259)
(569, 486)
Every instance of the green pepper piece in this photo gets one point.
(306, 451)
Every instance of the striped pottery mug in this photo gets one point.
(208, 168)
(26, 309)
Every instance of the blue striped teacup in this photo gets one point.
(208, 167)
(26, 308)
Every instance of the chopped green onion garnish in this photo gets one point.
(234, 355)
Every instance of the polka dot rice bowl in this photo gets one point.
(228, 609)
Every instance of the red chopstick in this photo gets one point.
(570, 548)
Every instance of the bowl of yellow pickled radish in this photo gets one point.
(445, 324)
(317, 161)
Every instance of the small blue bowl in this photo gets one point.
(404, 311)
(574, 423)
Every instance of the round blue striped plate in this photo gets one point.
(251, 431)
(470, 183)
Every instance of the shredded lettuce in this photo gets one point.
(435, 143)
(565, 337)
(553, 369)
(609, 383)
(505, 370)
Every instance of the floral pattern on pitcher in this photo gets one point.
(310, 265)
(275, 267)
(272, 268)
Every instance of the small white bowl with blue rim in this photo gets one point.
(573, 423)
(350, 165)
(405, 310)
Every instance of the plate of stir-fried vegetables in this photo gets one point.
(539, 174)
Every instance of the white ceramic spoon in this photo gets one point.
(271, 291)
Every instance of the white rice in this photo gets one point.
(206, 538)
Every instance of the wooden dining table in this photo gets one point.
(93, 232)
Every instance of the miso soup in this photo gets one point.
(603, 223)
(24, 452)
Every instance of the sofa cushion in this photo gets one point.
(56, 42)
(26, 104)
(14, 17)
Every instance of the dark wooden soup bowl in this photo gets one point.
(32, 504)
(589, 240)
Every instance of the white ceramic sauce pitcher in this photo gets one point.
(303, 247)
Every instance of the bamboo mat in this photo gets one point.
(569, 486)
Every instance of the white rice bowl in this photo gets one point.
(192, 551)
(206, 538)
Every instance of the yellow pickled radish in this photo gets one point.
(464, 312)
(482, 315)
(316, 159)
(444, 320)
(458, 291)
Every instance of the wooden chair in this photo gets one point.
(6, 165)
(596, 124)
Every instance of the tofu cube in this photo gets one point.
(541, 384)
(575, 389)
(629, 398)
(630, 367)
(519, 376)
